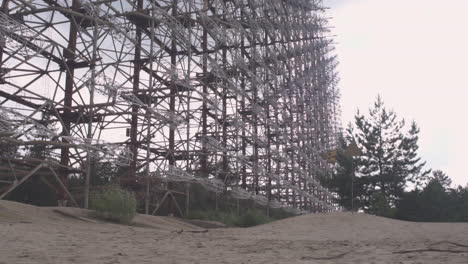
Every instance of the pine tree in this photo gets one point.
(389, 159)
(410, 162)
(442, 178)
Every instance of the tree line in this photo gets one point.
(387, 177)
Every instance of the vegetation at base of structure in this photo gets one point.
(249, 218)
(39, 190)
(386, 170)
(208, 206)
(252, 218)
(114, 204)
(227, 218)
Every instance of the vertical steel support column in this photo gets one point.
(266, 106)
(243, 98)
(204, 153)
(90, 114)
(255, 121)
(134, 144)
(173, 93)
(225, 160)
(69, 54)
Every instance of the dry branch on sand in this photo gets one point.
(432, 249)
(327, 258)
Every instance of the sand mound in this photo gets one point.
(13, 212)
(358, 226)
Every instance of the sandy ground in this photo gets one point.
(41, 235)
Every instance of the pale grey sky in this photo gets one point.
(414, 53)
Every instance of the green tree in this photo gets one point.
(433, 203)
(456, 204)
(460, 207)
(102, 172)
(389, 159)
(341, 182)
(408, 207)
(442, 178)
(380, 206)
(411, 164)
(437, 202)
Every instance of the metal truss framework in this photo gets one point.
(237, 95)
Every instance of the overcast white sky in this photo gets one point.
(414, 53)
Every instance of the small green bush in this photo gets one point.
(114, 204)
(252, 218)
(228, 218)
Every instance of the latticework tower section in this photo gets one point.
(239, 96)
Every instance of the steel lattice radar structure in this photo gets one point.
(239, 96)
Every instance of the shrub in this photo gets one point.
(114, 204)
(227, 218)
(252, 218)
